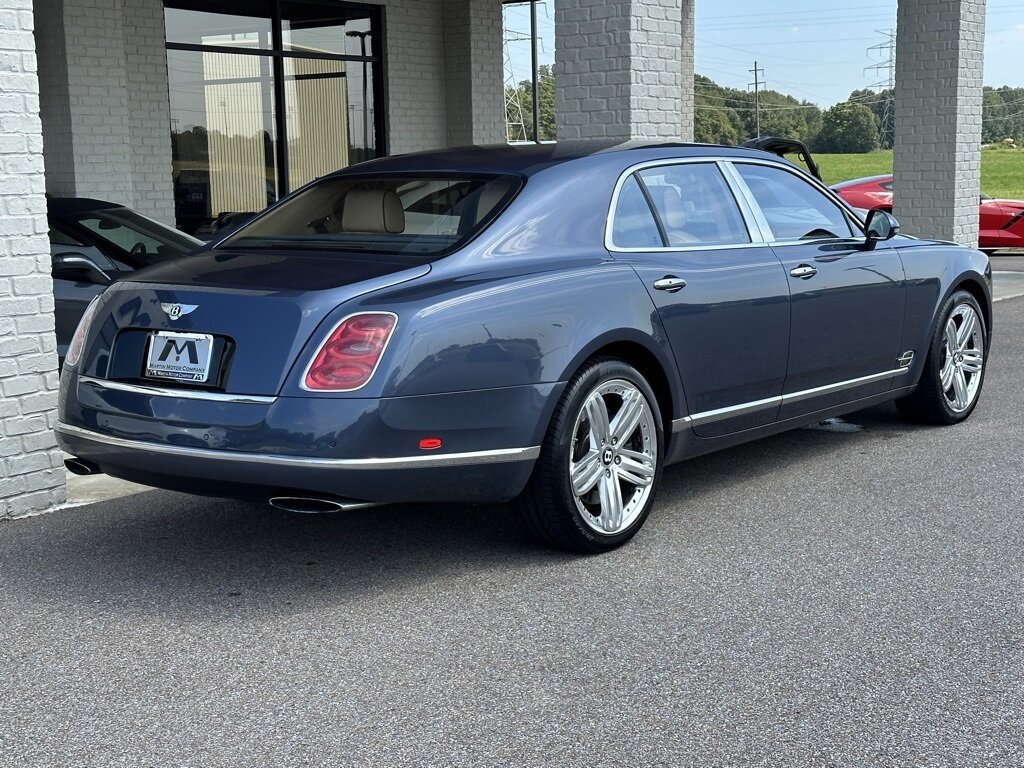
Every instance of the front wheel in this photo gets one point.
(955, 367)
(597, 474)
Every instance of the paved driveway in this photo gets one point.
(846, 595)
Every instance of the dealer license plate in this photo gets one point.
(179, 356)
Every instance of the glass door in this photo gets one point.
(262, 104)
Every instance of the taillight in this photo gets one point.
(349, 356)
(78, 340)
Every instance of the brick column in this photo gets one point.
(474, 83)
(31, 473)
(937, 157)
(624, 69)
(686, 89)
(104, 101)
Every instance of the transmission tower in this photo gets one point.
(886, 69)
(515, 126)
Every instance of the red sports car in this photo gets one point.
(1001, 221)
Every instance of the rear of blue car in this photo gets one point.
(260, 370)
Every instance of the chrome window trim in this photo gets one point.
(498, 456)
(732, 411)
(185, 394)
(856, 225)
(753, 230)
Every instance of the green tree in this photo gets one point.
(524, 93)
(712, 126)
(847, 128)
(878, 102)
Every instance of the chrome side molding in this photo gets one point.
(732, 411)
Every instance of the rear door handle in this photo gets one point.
(804, 271)
(670, 283)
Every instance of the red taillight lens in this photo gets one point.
(78, 340)
(350, 355)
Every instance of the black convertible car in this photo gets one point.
(92, 242)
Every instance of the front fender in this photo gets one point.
(934, 271)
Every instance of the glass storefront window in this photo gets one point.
(203, 28)
(313, 28)
(260, 107)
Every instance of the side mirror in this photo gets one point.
(78, 267)
(881, 225)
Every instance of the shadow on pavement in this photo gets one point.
(164, 552)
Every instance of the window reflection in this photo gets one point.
(249, 121)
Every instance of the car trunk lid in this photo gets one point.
(250, 312)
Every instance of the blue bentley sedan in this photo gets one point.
(551, 323)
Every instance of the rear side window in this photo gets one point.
(633, 224)
(382, 214)
(695, 205)
(794, 208)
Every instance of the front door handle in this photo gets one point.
(804, 271)
(670, 283)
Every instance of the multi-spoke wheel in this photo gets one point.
(955, 367)
(964, 358)
(596, 477)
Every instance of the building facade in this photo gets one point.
(186, 109)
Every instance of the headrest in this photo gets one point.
(373, 210)
(672, 209)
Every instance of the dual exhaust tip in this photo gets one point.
(316, 505)
(78, 466)
(307, 505)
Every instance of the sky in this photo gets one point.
(808, 48)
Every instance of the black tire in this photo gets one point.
(548, 507)
(928, 404)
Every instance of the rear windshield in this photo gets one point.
(414, 215)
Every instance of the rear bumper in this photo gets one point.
(356, 449)
(492, 475)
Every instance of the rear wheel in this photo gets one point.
(596, 477)
(955, 368)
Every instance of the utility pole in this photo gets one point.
(887, 69)
(758, 82)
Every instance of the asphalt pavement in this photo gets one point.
(845, 595)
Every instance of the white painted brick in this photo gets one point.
(936, 159)
(634, 61)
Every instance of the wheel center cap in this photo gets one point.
(607, 456)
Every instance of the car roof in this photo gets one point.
(75, 206)
(528, 159)
(865, 180)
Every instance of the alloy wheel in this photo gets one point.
(613, 457)
(963, 358)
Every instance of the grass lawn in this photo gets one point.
(1002, 171)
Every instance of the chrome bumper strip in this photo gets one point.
(186, 394)
(499, 456)
(732, 411)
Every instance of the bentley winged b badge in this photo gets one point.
(174, 311)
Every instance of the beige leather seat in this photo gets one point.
(373, 211)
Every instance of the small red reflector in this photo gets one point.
(430, 443)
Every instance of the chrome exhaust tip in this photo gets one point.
(315, 505)
(78, 466)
